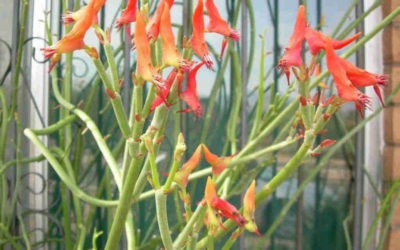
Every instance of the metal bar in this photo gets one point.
(274, 90)
(243, 70)
(358, 172)
(318, 178)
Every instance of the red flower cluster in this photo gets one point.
(147, 31)
(160, 25)
(347, 77)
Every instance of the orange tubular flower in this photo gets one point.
(218, 164)
(222, 207)
(346, 90)
(249, 207)
(171, 55)
(292, 56)
(182, 176)
(316, 40)
(128, 15)
(217, 24)
(144, 68)
(189, 96)
(74, 39)
(67, 44)
(197, 41)
(153, 27)
(362, 78)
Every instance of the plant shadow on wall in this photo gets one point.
(141, 162)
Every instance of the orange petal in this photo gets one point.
(128, 14)
(153, 27)
(182, 176)
(210, 192)
(249, 207)
(197, 41)
(346, 90)
(292, 56)
(171, 56)
(217, 24)
(218, 164)
(189, 96)
(144, 65)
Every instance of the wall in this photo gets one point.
(391, 55)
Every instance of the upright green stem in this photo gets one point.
(20, 51)
(115, 97)
(129, 183)
(112, 66)
(4, 124)
(180, 240)
(260, 99)
(162, 216)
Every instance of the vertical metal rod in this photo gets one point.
(14, 40)
(318, 178)
(274, 90)
(243, 70)
(358, 172)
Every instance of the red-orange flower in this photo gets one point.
(346, 90)
(218, 164)
(189, 96)
(171, 55)
(182, 176)
(128, 15)
(198, 41)
(153, 27)
(68, 43)
(362, 78)
(292, 56)
(144, 68)
(217, 24)
(249, 207)
(316, 40)
(221, 206)
(74, 39)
